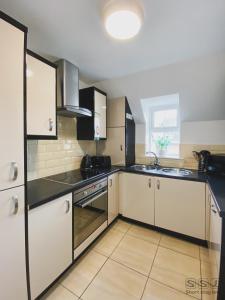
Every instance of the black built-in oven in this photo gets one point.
(90, 210)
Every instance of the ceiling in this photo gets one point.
(173, 31)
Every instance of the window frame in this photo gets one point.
(152, 129)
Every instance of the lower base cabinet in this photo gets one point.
(137, 197)
(13, 283)
(113, 197)
(180, 206)
(50, 242)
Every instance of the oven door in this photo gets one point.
(89, 214)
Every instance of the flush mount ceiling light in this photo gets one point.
(123, 18)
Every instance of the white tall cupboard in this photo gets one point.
(12, 217)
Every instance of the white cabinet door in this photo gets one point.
(100, 115)
(12, 249)
(41, 98)
(137, 197)
(180, 206)
(50, 242)
(215, 236)
(113, 197)
(12, 106)
(115, 145)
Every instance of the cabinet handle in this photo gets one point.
(15, 205)
(121, 147)
(50, 124)
(158, 184)
(110, 182)
(67, 206)
(150, 183)
(14, 170)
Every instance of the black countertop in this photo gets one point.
(43, 190)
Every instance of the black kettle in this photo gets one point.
(202, 158)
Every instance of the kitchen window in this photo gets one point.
(163, 126)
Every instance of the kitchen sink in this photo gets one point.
(175, 171)
(143, 167)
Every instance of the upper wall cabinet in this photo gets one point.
(41, 98)
(12, 105)
(92, 128)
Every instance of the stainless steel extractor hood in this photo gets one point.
(68, 91)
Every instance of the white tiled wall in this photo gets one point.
(51, 157)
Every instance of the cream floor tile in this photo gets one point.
(59, 293)
(209, 274)
(136, 254)
(83, 272)
(108, 242)
(204, 255)
(121, 225)
(173, 269)
(156, 291)
(180, 246)
(115, 282)
(144, 234)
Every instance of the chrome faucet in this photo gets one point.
(156, 161)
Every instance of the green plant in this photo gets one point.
(162, 142)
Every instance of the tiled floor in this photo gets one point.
(130, 262)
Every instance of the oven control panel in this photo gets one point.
(89, 190)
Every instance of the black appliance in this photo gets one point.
(202, 157)
(101, 162)
(216, 164)
(96, 162)
(90, 214)
(86, 162)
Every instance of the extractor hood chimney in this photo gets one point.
(68, 91)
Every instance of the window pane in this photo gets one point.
(165, 143)
(165, 118)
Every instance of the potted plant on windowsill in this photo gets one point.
(162, 143)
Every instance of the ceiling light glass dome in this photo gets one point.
(123, 18)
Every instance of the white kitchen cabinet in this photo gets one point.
(50, 242)
(92, 128)
(137, 197)
(41, 97)
(100, 115)
(12, 232)
(180, 206)
(215, 236)
(113, 197)
(12, 106)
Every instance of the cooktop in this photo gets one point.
(75, 176)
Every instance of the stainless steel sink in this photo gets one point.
(175, 171)
(143, 167)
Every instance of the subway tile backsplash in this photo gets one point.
(46, 157)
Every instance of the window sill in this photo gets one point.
(165, 157)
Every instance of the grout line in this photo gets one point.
(172, 288)
(150, 269)
(107, 258)
(179, 252)
(71, 292)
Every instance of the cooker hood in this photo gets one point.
(68, 91)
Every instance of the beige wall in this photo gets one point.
(51, 157)
(186, 159)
